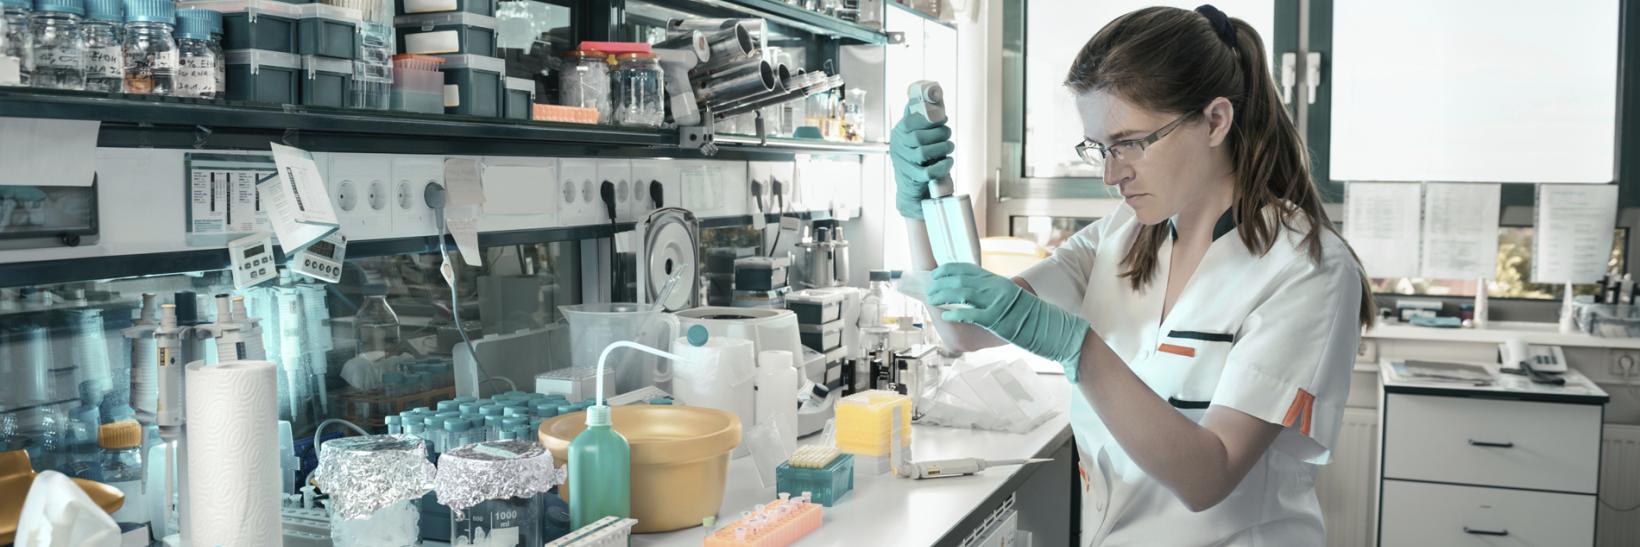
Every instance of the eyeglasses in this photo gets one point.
(1129, 150)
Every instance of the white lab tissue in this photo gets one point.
(233, 454)
(57, 513)
(993, 390)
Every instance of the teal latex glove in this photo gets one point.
(921, 152)
(1007, 310)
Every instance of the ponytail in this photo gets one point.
(1173, 60)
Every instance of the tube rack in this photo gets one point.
(779, 523)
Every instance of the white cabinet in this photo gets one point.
(1467, 465)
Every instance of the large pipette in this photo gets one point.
(956, 467)
(953, 235)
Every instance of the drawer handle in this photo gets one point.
(1480, 532)
(1490, 444)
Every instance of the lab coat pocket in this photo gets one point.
(1200, 356)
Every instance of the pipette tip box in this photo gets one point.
(828, 484)
(865, 424)
(480, 7)
(604, 532)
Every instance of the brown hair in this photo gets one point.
(1174, 60)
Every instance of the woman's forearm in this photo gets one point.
(957, 336)
(1201, 464)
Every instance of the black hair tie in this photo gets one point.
(1221, 23)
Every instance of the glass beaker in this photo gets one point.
(854, 115)
(374, 482)
(592, 327)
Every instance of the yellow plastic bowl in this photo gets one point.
(680, 459)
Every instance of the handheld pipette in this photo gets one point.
(953, 235)
(957, 467)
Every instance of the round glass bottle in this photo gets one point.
(584, 82)
(19, 42)
(59, 44)
(198, 55)
(150, 49)
(104, 29)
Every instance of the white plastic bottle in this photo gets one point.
(777, 385)
(144, 388)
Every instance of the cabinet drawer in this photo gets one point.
(1490, 442)
(1416, 513)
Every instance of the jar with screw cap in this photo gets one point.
(199, 55)
(104, 27)
(59, 44)
(150, 47)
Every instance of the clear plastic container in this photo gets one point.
(19, 42)
(201, 70)
(373, 70)
(104, 63)
(376, 327)
(120, 466)
(59, 44)
(638, 88)
(418, 86)
(584, 82)
(150, 49)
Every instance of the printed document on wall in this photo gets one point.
(1381, 222)
(296, 200)
(1573, 241)
(1460, 231)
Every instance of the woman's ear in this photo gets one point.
(1220, 115)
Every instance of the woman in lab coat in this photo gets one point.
(1208, 325)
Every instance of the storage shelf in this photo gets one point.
(169, 122)
(783, 14)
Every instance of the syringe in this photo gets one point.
(957, 467)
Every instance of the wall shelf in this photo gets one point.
(783, 14)
(130, 121)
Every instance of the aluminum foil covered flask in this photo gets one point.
(374, 482)
(494, 491)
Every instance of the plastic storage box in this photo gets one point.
(864, 422)
(827, 484)
(472, 85)
(264, 76)
(520, 96)
(821, 338)
(328, 31)
(814, 308)
(267, 25)
(326, 81)
(480, 7)
(418, 86)
(446, 33)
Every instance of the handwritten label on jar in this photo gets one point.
(103, 62)
(197, 77)
(45, 57)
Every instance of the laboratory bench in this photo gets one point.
(887, 510)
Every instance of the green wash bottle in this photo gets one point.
(600, 472)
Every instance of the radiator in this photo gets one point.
(1619, 487)
(1348, 485)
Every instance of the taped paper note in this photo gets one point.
(296, 201)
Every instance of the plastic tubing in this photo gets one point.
(604, 357)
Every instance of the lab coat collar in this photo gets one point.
(1226, 223)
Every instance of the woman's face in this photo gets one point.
(1184, 168)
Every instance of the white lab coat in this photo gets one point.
(1273, 336)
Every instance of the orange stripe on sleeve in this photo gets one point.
(1299, 413)
(1186, 351)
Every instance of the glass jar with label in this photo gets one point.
(584, 82)
(150, 50)
(59, 44)
(103, 27)
(638, 88)
(17, 50)
(199, 56)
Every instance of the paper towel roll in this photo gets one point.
(233, 454)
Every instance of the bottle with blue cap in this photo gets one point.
(59, 44)
(199, 55)
(17, 44)
(150, 47)
(104, 27)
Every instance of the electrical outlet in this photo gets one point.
(782, 171)
(358, 182)
(411, 175)
(645, 173)
(1625, 363)
(619, 173)
(580, 203)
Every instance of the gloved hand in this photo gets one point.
(1007, 310)
(921, 152)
